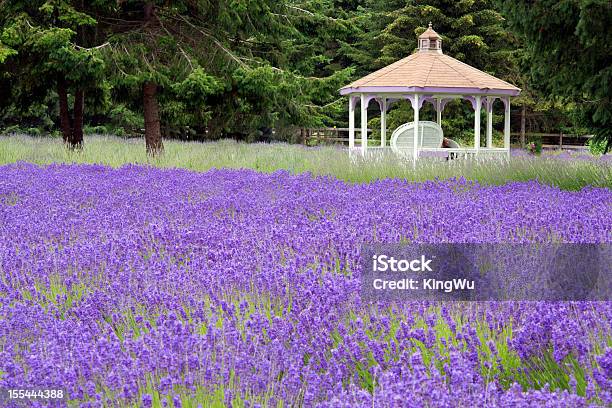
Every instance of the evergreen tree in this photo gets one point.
(570, 43)
(238, 68)
(227, 65)
(45, 47)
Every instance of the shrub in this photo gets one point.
(596, 147)
(534, 146)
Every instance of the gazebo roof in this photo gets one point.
(430, 71)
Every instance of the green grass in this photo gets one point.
(113, 151)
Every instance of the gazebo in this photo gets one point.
(429, 76)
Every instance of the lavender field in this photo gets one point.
(139, 286)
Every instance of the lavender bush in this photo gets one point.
(146, 287)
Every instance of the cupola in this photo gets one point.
(430, 41)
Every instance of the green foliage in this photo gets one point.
(5, 52)
(240, 68)
(66, 13)
(597, 146)
(472, 31)
(198, 86)
(225, 68)
(46, 43)
(121, 117)
(569, 45)
(49, 50)
(534, 146)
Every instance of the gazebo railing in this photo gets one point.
(461, 152)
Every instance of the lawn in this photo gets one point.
(140, 286)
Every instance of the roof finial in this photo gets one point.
(430, 24)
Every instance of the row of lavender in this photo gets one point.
(173, 288)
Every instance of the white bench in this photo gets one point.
(430, 136)
(402, 139)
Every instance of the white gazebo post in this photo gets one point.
(352, 101)
(383, 121)
(364, 124)
(489, 105)
(439, 111)
(507, 125)
(477, 123)
(416, 107)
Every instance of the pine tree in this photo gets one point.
(206, 62)
(569, 44)
(45, 48)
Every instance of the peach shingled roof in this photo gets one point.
(429, 69)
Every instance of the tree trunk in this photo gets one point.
(523, 126)
(77, 123)
(149, 7)
(72, 128)
(153, 136)
(65, 124)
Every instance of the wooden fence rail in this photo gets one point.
(329, 135)
(555, 140)
(310, 136)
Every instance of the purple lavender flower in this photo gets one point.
(119, 285)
